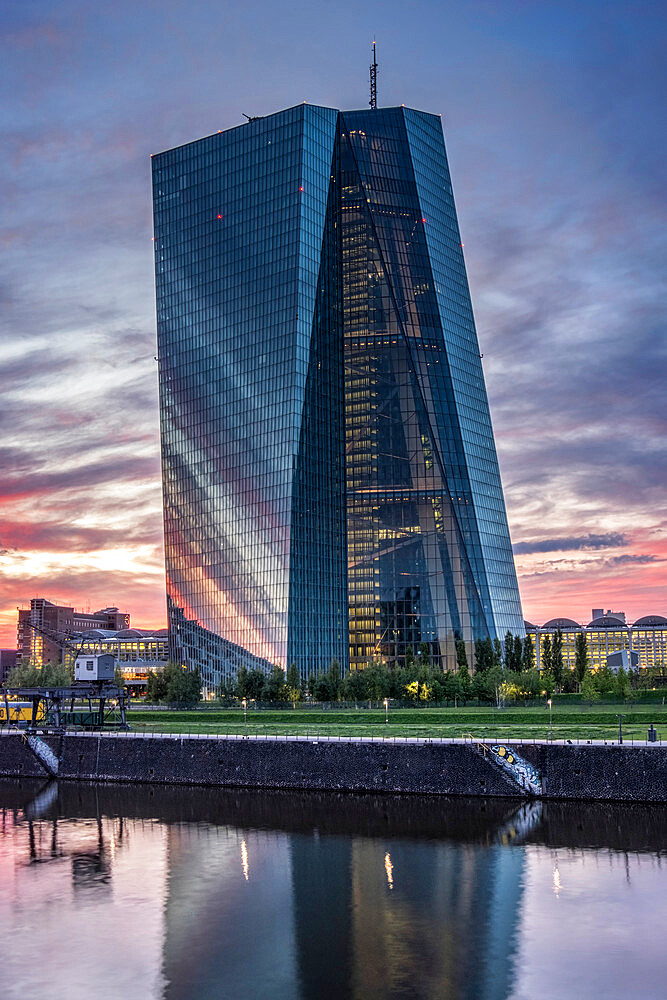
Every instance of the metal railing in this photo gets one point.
(319, 736)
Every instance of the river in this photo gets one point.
(127, 892)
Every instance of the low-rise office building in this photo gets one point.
(136, 651)
(44, 626)
(607, 634)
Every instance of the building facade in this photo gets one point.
(136, 651)
(44, 626)
(331, 486)
(8, 660)
(607, 634)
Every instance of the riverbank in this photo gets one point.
(574, 722)
(594, 771)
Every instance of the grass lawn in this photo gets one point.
(579, 722)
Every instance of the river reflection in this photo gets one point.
(175, 893)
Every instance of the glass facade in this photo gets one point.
(429, 552)
(322, 399)
(250, 361)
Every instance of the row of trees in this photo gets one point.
(174, 685)
(551, 660)
(418, 682)
(26, 674)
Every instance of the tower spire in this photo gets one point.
(374, 81)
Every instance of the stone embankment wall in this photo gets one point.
(622, 773)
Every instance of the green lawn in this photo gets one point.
(574, 722)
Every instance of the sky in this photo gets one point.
(554, 129)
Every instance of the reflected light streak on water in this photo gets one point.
(389, 868)
(244, 859)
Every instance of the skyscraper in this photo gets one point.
(331, 487)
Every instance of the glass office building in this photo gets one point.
(331, 487)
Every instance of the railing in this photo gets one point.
(319, 736)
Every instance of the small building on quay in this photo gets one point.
(607, 634)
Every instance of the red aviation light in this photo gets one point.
(424, 221)
(301, 189)
(219, 216)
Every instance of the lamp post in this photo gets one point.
(386, 710)
(245, 715)
(551, 731)
(620, 727)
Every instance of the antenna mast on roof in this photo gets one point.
(374, 81)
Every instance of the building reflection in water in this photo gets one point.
(176, 894)
(81, 904)
(406, 914)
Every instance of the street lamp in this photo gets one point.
(386, 710)
(620, 727)
(551, 732)
(245, 714)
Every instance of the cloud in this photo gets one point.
(611, 540)
(564, 228)
(629, 560)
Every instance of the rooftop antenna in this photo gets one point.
(374, 81)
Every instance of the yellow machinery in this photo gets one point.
(19, 712)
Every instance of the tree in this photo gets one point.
(378, 681)
(412, 690)
(527, 654)
(465, 683)
(25, 674)
(512, 652)
(589, 691)
(483, 686)
(545, 660)
(156, 687)
(436, 686)
(452, 685)
(176, 685)
(242, 682)
(425, 653)
(321, 687)
(461, 655)
(497, 654)
(580, 656)
(355, 686)
(509, 651)
(335, 680)
(255, 684)
(293, 682)
(274, 687)
(605, 681)
(484, 654)
(622, 686)
(548, 683)
(557, 657)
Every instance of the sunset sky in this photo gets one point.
(554, 125)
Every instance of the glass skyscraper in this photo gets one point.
(331, 487)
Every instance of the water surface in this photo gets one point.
(190, 894)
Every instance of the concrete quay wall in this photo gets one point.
(587, 772)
